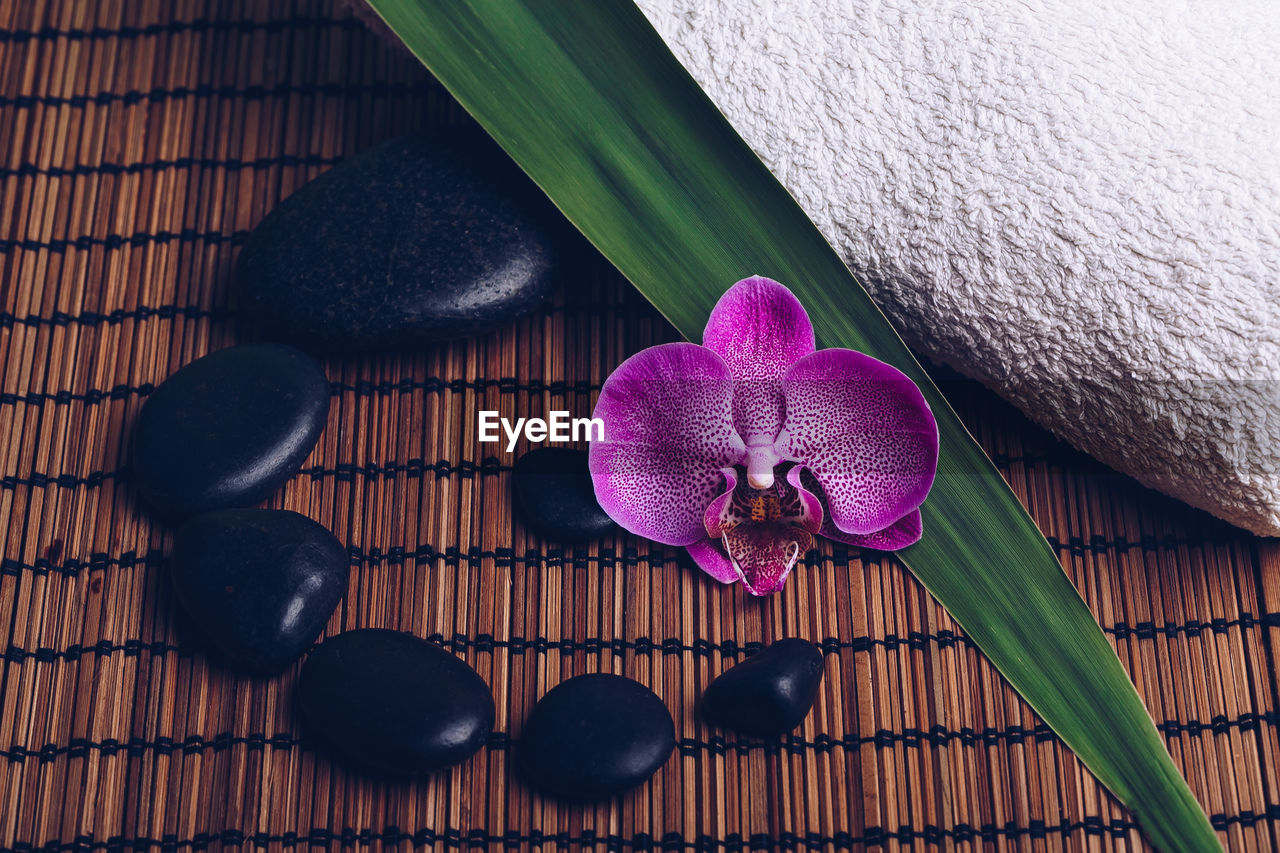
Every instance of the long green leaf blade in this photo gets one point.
(586, 97)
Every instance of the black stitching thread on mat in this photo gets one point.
(1148, 630)
(812, 558)
(198, 25)
(452, 555)
(430, 385)
(688, 747)
(72, 568)
(941, 736)
(110, 318)
(490, 466)
(145, 312)
(488, 644)
(342, 472)
(1121, 544)
(103, 648)
(475, 556)
(670, 646)
(507, 557)
(92, 317)
(62, 481)
(91, 397)
(1099, 544)
(117, 241)
(248, 93)
(609, 557)
(668, 842)
(230, 164)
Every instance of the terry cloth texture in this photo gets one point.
(1076, 203)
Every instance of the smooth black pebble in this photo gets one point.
(393, 702)
(420, 238)
(769, 693)
(258, 584)
(595, 736)
(555, 495)
(229, 429)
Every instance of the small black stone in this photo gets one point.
(393, 702)
(258, 584)
(556, 498)
(595, 736)
(229, 429)
(769, 693)
(421, 238)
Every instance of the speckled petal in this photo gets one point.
(711, 558)
(720, 510)
(760, 329)
(668, 432)
(903, 532)
(865, 432)
(766, 553)
(812, 516)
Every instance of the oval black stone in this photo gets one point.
(258, 584)
(421, 238)
(555, 495)
(390, 701)
(595, 736)
(229, 429)
(769, 693)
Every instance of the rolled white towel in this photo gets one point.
(1077, 203)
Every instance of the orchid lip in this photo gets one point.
(763, 531)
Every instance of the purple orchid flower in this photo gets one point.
(744, 448)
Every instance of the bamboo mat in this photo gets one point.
(142, 140)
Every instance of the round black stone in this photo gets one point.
(258, 584)
(393, 702)
(229, 429)
(421, 238)
(555, 495)
(769, 693)
(595, 736)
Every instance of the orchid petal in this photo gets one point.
(903, 532)
(813, 517)
(760, 329)
(865, 432)
(718, 510)
(712, 559)
(668, 432)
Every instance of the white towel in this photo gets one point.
(1075, 201)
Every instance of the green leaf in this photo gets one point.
(586, 97)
